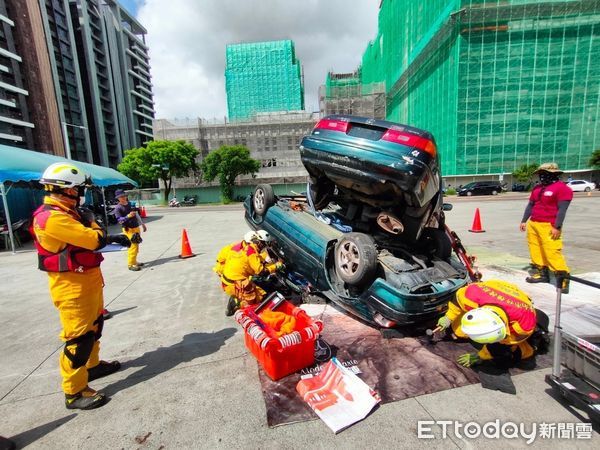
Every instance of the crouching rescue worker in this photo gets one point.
(500, 319)
(238, 265)
(66, 239)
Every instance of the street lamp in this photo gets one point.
(66, 136)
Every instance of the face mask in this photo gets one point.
(547, 178)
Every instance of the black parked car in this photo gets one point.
(481, 188)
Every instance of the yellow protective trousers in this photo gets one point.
(245, 291)
(79, 300)
(545, 251)
(134, 249)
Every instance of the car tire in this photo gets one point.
(321, 192)
(494, 192)
(469, 194)
(355, 259)
(587, 189)
(263, 198)
(438, 242)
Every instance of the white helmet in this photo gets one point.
(64, 175)
(483, 325)
(251, 236)
(264, 236)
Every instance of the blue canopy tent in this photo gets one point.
(20, 167)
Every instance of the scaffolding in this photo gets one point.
(272, 138)
(500, 83)
(344, 93)
(262, 77)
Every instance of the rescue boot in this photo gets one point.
(232, 306)
(86, 399)
(103, 369)
(562, 276)
(135, 268)
(539, 274)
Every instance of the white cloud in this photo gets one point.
(187, 40)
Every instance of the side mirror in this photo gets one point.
(447, 207)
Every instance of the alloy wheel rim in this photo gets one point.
(349, 257)
(259, 199)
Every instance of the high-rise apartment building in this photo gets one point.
(77, 79)
(262, 77)
(28, 108)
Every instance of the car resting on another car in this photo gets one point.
(371, 235)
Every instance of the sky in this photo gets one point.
(187, 40)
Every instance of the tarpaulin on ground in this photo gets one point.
(395, 368)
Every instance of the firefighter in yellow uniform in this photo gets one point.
(238, 264)
(497, 315)
(66, 237)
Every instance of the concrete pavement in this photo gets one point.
(187, 379)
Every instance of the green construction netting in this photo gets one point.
(262, 77)
(499, 83)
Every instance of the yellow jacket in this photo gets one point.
(242, 260)
(507, 300)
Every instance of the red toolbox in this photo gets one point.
(280, 356)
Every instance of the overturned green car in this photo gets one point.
(370, 235)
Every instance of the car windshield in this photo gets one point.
(470, 185)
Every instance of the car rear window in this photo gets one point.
(366, 131)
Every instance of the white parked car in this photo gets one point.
(581, 185)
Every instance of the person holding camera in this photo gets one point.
(131, 223)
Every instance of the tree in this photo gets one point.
(525, 173)
(595, 159)
(160, 159)
(226, 163)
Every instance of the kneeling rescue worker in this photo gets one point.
(238, 265)
(499, 316)
(66, 239)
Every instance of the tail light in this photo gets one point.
(332, 125)
(410, 140)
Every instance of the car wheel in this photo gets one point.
(469, 194)
(263, 198)
(356, 259)
(438, 242)
(321, 192)
(494, 192)
(587, 189)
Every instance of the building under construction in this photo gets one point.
(500, 83)
(262, 77)
(272, 138)
(343, 93)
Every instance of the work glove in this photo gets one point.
(87, 215)
(444, 322)
(136, 238)
(280, 267)
(120, 239)
(468, 359)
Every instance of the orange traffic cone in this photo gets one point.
(476, 227)
(186, 250)
(143, 214)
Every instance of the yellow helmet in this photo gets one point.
(483, 325)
